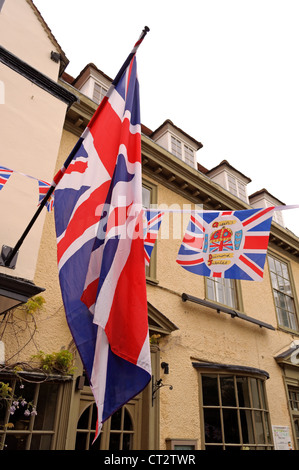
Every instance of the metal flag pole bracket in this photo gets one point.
(156, 386)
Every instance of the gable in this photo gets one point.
(24, 33)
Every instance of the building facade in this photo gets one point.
(225, 368)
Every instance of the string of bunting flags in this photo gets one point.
(43, 186)
(223, 244)
(220, 244)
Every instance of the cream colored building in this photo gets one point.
(224, 353)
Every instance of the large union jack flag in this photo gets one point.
(5, 173)
(227, 244)
(98, 215)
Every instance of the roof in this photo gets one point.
(226, 163)
(168, 121)
(265, 191)
(90, 66)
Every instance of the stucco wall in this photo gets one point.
(22, 33)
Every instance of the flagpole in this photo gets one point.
(13, 251)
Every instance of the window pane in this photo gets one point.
(116, 419)
(81, 441)
(243, 392)
(128, 425)
(84, 419)
(3, 411)
(222, 291)
(255, 394)
(20, 419)
(283, 295)
(15, 442)
(210, 289)
(94, 417)
(246, 426)
(231, 429)
(39, 442)
(94, 445)
(46, 404)
(227, 391)
(146, 197)
(212, 425)
(210, 390)
(274, 281)
(114, 441)
(127, 441)
(260, 436)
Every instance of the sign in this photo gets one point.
(282, 438)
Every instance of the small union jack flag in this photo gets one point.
(43, 188)
(151, 224)
(5, 173)
(228, 244)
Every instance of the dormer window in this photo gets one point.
(189, 155)
(176, 147)
(231, 179)
(263, 198)
(93, 83)
(182, 151)
(99, 92)
(177, 142)
(236, 187)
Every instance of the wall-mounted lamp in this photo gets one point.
(165, 367)
(55, 56)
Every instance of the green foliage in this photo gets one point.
(5, 391)
(154, 339)
(34, 304)
(61, 361)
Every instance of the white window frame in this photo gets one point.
(236, 187)
(98, 95)
(182, 150)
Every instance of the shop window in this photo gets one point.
(32, 425)
(235, 413)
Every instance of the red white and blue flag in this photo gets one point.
(100, 246)
(43, 188)
(151, 223)
(227, 244)
(5, 173)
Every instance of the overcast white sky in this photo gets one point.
(225, 71)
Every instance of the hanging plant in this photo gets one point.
(61, 361)
(15, 402)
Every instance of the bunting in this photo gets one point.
(43, 186)
(227, 244)
(5, 173)
(151, 223)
